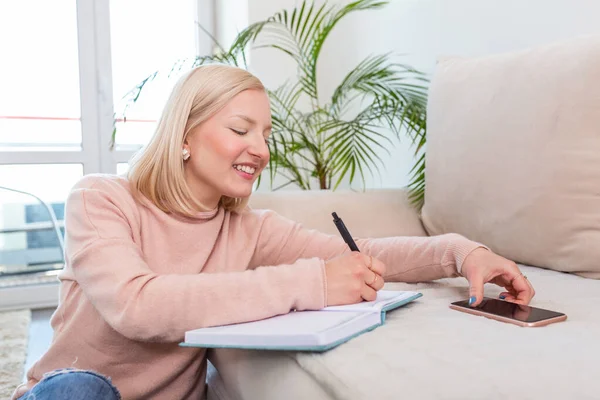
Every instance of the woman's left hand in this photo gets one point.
(482, 266)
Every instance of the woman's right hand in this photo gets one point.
(352, 278)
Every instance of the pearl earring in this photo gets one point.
(186, 154)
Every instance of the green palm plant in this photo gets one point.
(321, 145)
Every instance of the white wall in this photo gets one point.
(424, 30)
(231, 17)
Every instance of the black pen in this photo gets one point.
(344, 232)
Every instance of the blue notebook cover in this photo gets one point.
(313, 331)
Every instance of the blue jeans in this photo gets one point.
(73, 384)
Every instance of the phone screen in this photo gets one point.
(511, 310)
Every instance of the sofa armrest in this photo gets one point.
(372, 213)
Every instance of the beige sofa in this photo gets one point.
(425, 350)
(513, 161)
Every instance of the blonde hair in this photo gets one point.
(157, 170)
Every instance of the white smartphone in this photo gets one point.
(513, 313)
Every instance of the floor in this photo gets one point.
(40, 335)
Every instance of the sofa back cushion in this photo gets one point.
(513, 154)
(372, 213)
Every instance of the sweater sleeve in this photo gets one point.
(142, 305)
(407, 259)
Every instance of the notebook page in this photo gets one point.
(384, 298)
(292, 323)
(295, 328)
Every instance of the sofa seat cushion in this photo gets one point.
(426, 350)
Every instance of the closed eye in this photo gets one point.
(238, 132)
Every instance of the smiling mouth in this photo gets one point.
(245, 168)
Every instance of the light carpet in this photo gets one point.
(14, 334)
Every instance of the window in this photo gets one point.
(65, 70)
(122, 168)
(29, 239)
(39, 101)
(40, 127)
(137, 53)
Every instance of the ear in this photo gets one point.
(186, 145)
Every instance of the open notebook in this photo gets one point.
(303, 330)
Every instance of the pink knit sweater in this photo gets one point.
(137, 278)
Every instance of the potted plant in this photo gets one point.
(321, 145)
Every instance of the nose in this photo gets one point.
(259, 148)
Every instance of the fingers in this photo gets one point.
(502, 272)
(349, 279)
(368, 293)
(475, 290)
(374, 280)
(523, 288)
(376, 265)
(518, 288)
(375, 272)
(371, 271)
(19, 391)
(506, 296)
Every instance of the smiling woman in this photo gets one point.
(215, 120)
(173, 247)
(229, 146)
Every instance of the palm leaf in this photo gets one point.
(376, 76)
(302, 32)
(323, 30)
(416, 185)
(351, 147)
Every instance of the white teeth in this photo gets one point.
(245, 168)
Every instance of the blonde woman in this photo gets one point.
(173, 247)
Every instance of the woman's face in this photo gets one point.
(229, 150)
